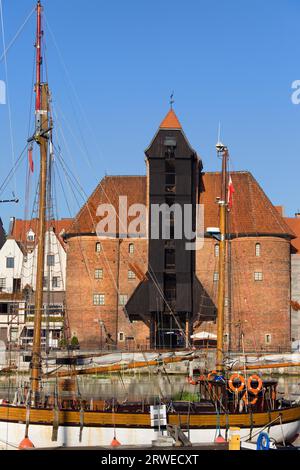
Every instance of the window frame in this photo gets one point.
(11, 259)
(101, 299)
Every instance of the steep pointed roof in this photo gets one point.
(252, 212)
(170, 121)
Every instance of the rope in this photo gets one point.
(4, 54)
(7, 93)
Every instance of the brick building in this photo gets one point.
(18, 264)
(111, 295)
(294, 223)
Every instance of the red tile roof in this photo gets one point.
(107, 192)
(252, 212)
(294, 224)
(21, 228)
(170, 121)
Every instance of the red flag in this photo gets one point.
(31, 165)
(231, 190)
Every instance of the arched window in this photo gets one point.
(131, 248)
(217, 249)
(257, 249)
(98, 247)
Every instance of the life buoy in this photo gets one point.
(263, 441)
(257, 379)
(209, 376)
(246, 400)
(191, 381)
(231, 381)
(213, 372)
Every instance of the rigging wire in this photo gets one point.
(17, 35)
(7, 96)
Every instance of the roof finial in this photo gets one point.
(172, 101)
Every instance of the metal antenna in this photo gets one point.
(172, 101)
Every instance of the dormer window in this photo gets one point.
(30, 236)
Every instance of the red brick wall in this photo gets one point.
(82, 260)
(258, 307)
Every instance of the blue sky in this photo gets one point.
(113, 65)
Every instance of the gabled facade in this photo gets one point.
(138, 293)
(18, 258)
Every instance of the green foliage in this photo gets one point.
(74, 341)
(186, 396)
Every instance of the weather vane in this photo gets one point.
(172, 101)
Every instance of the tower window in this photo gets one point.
(217, 249)
(131, 248)
(123, 299)
(258, 276)
(131, 274)
(268, 338)
(99, 299)
(99, 273)
(216, 276)
(98, 247)
(121, 336)
(257, 249)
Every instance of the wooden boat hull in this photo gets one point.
(135, 428)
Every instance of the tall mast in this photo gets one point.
(223, 153)
(41, 137)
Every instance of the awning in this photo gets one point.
(204, 335)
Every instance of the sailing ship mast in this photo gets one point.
(41, 137)
(223, 153)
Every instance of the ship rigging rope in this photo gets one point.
(76, 96)
(13, 170)
(7, 97)
(85, 154)
(17, 34)
(67, 171)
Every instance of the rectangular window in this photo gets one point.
(121, 336)
(45, 281)
(50, 260)
(131, 248)
(99, 273)
(10, 263)
(98, 247)
(99, 299)
(55, 282)
(216, 276)
(123, 299)
(268, 338)
(131, 274)
(2, 283)
(258, 276)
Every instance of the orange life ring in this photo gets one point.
(247, 402)
(191, 381)
(231, 383)
(213, 372)
(257, 379)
